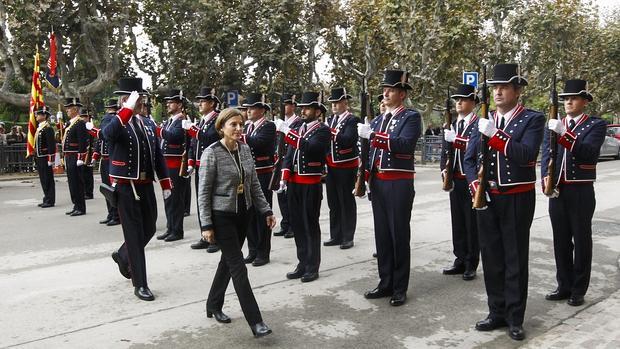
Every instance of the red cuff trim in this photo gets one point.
(286, 174)
(191, 162)
(460, 143)
(81, 156)
(165, 183)
(193, 131)
(381, 140)
(292, 138)
(568, 140)
(173, 162)
(473, 187)
(124, 115)
(499, 141)
(94, 132)
(96, 156)
(158, 131)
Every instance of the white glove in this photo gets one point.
(556, 126)
(50, 163)
(89, 125)
(282, 188)
(130, 103)
(92, 163)
(79, 163)
(186, 124)
(364, 130)
(449, 135)
(190, 170)
(487, 127)
(167, 193)
(281, 126)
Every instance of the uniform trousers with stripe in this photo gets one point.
(285, 223)
(104, 170)
(175, 203)
(76, 182)
(259, 234)
(571, 219)
(339, 185)
(464, 226)
(46, 176)
(89, 181)
(304, 202)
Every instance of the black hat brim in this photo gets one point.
(583, 94)
(403, 85)
(257, 104)
(123, 92)
(341, 98)
(111, 106)
(73, 105)
(471, 96)
(289, 101)
(313, 104)
(521, 81)
(43, 112)
(209, 97)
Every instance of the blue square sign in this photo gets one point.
(470, 78)
(232, 98)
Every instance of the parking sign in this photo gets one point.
(470, 78)
(232, 98)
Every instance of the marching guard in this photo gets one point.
(514, 137)
(301, 176)
(203, 135)
(135, 159)
(579, 140)
(390, 174)
(74, 149)
(464, 226)
(260, 135)
(342, 164)
(87, 169)
(45, 150)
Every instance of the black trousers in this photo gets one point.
(464, 227)
(188, 195)
(339, 185)
(504, 229)
(104, 170)
(285, 223)
(571, 219)
(259, 234)
(89, 181)
(46, 177)
(229, 234)
(76, 182)
(138, 218)
(305, 203)
(175, 204)
(392, 203)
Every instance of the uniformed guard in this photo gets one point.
(260, 135)
(74, 146)
(464, 226)
(135, 159)
(390, 174)
(101, 153)
(203, 135)
(45, 150)
(301, 175)
(514, 137)
(342, 163)
(292, 121)
(87, 169)
(579, 140)
(173, 146)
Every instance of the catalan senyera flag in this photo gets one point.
(36, 102)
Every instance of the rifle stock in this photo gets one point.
(365, 115)
(448, 182)
(480, 199)
(185, 157)
(551, 189)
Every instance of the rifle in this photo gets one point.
(89, 149)
(480, 199)
(551, 190)
(274, 182)
(185, 157)
(448, 183)
(61, 135)
(366, 115)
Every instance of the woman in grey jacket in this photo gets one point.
(228, 187)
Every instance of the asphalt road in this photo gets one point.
(60, 288)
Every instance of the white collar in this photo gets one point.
(467, 117)
(507, 115)
(258, 122)
(310, 125)
(176, 116)
(73, 119)
(208, 115)
(576, 118)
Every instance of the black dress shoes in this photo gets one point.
(516, 333)
(469, 275)
(260, 261)
(308, 277)
(88, 197)
(374, 255)
(331, 242)
(104, 221)
(213, 248)
(346, 245)
(113, 222)
(219, 316)
(144, 293)
(557, 295)
(173, 237)
(185, 214)
(250, 258)
(575, 301)
(122, 267)
(46, 205)
(295, 274)
(163, 236)
(490, 324)
(260, 330)
(454, 269)
(280, 233)
(41, 204)
(68, 213)
(77, 213)
(289, 235)
(377, 293)
(199, 245)
(398, 299)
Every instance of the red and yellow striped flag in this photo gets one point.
(36, 102)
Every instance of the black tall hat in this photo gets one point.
(72, 101)
(338, 94)
(44, 110)
(312, 99)
(256, 100)
(466, 91)
(175, 94)
(127, 85)
(84, 112)
(576, 87)
(507, 73)
(111, 103)
(208, 93)
(396, 78)
(289, 98)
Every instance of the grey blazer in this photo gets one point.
(218, 182)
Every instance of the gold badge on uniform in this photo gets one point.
(240, 189)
